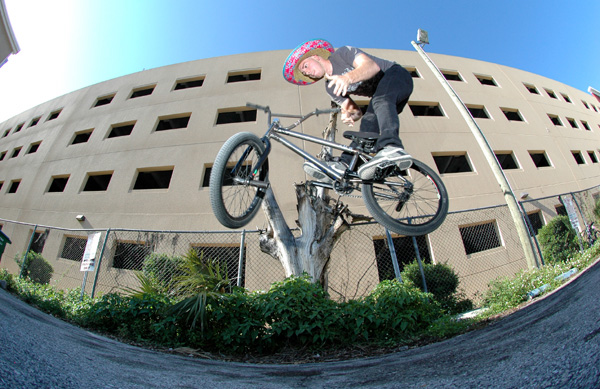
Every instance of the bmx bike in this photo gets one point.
(411, 202)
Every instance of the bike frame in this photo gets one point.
(276, 130)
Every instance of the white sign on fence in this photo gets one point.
(88, 262)
(568, 203)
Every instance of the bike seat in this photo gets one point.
(356, 135)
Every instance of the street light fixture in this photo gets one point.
(422, 37)
(509, 196)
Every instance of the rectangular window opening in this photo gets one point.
(593, 157)
(130, 255)
(54, 115)
(19, 127)
(534, 222)
(58, 184)
(539, 158)
(532, 89)
(486, 80)
(34, 122)
(578, 157)
(153, 179)
(105, 100)
(173, 123)
(81, 137)
(39, 241)
(551, 93)
(140, 92)
(426, 109)
(567, 99)
(16, 152)
(14, 186)
(97, 182)
(414, 73)
(248, 75)
(555, 120)
(405, 254)
(480, 237)
(572, 122)
(240, 115)
(507, 160)
(457, 163)
(73, 248)
(188, 83)
(561, 210)
(478, 111)
(119, 130)
(34, 147)
(512, 115)
(586, 126)
(452, 75)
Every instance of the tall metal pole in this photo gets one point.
(509, 196)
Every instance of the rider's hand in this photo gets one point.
(351, 116)
(340, 84)
(347, 118)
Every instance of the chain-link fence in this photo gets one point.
(475, 246)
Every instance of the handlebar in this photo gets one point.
(316, 112)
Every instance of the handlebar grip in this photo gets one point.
(322, 111)
(252, 105)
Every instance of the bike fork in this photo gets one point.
(252, 180)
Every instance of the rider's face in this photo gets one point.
(312, 68)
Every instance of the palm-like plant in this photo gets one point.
(202, 278)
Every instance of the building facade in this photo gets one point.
(136, 151)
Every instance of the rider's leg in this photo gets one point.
(388, 101)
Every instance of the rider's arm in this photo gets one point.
(364, 69)
(350, 112)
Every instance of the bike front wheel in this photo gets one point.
(412, 203)
(234, 195)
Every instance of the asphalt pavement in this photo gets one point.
(552, 343)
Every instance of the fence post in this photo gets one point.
(241, 258)
(99, 263)
(27, 251)
(392, 249)
(579, 236)
(414, 240)
(532, 237)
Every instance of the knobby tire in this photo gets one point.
(425, 208)
(234, 204)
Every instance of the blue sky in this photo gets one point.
(70, 44)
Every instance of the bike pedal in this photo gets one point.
(384, 170)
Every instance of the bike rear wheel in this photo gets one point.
(412, 203)
(234, 199)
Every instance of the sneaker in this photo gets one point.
(317, 174)
(396, 155)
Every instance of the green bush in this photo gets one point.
(442, 281)
(597, 210)
(132, 317)
(162, 270)
(558, 240)
(298, 313)
(36, 268)
(396, 310)
(8, 278)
